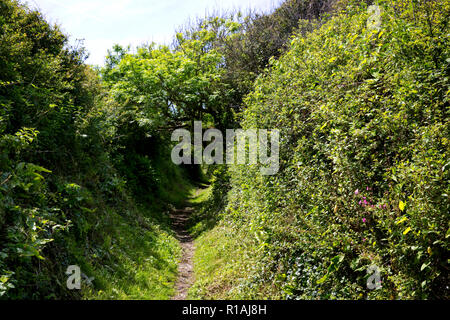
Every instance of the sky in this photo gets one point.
(103, 23)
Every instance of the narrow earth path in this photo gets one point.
(185, 279)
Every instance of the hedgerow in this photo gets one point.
(65, 197)
(364, 161)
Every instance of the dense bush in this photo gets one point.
(42, 91)
(364, 166)
(69, 192)
(86, 176)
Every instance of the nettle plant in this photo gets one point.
(28, 217)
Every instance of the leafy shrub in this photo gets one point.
(61, 189)
(364, 177)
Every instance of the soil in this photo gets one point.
(180, 218)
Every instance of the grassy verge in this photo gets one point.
(140, 261)
(136, 254)
(225, 267)
(225, 256)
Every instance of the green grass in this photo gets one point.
(199, 196)
(138, 254)
(206, 213)
(223, 263)
(211, 264)
(225, 256)
(141, 262)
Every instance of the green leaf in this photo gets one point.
(401, 205)
(401, 220)
(424, 266)
(322, 280)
